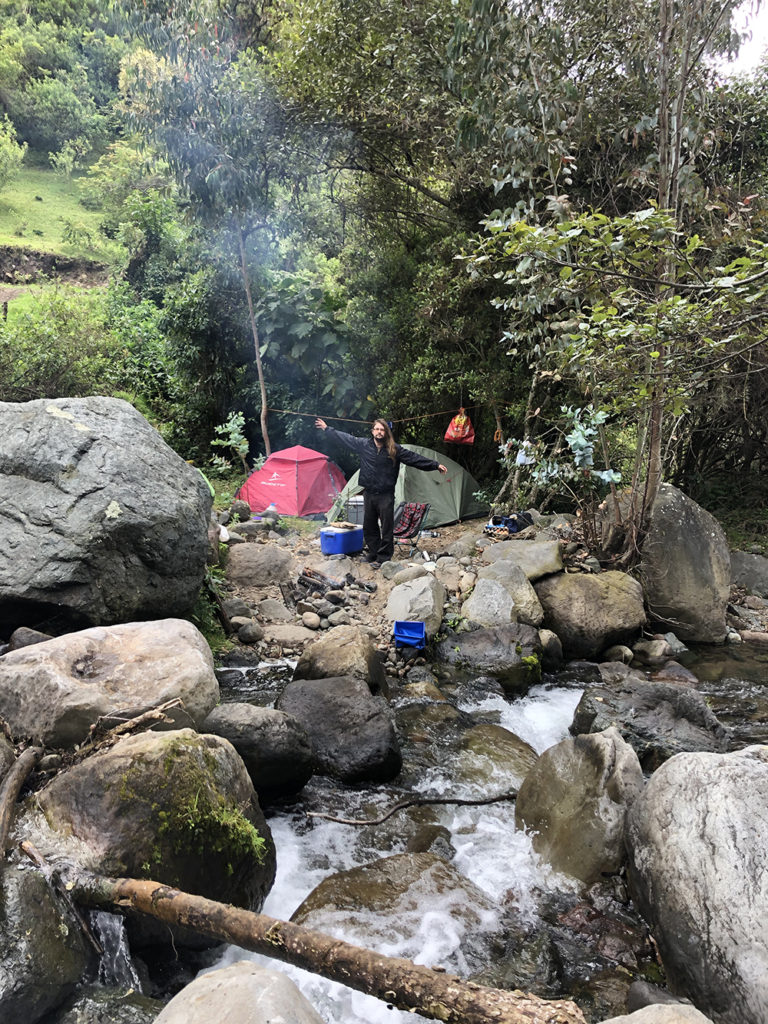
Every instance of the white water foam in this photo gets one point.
(489, 852)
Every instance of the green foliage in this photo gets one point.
(58, 72)
(205, 611)
(58, 349)
(587, 301)
(11, 153)
(70, 157)
(230, 436)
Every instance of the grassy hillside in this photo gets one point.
(41, 210)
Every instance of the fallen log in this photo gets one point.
(398, 982)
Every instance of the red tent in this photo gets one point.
(297, 481)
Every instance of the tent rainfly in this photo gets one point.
(450, 496)
(297, 481)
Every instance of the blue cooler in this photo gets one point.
(341, 542)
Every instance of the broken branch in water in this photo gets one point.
(418, 801)
(11, 787)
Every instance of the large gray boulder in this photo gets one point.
(699, 874)
(101, 521)
(685, 568)
(242, 993)
(54, 691)
(176, 807)
(489, 604)
(591, 612)
(574, 801)
(275, 748)
(657, 719)
(662, 1013)
(352, 732)
(511, 654)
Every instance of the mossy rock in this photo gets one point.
(176, 807)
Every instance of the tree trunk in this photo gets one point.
(255, 333)
(398, 982)
(511, 486)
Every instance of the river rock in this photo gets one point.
(97, 1005)
(419, 600)
(464, 546)
(26, 637)
(55, 691)
(489, 604)
(347, 651)
(395, 896)
(750, 571)
(509, 653)
(274, 747)
(176, 807)
(698, 870)
(101, 521)
(254, 565)
(493, 759)
(591, 612)
(685, 568)
(574, 801)
(274, 611)
(536, 558)
(242, 993)
(657, 719)
(662, 1013)
(514, 580)
(410, 572)
(351, 731)
(43, 953)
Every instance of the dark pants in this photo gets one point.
(378, 525)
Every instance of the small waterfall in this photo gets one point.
(116, 967)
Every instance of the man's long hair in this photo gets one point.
(389, 441)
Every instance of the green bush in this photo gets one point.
(11, 152)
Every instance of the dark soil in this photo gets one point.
(20, 267)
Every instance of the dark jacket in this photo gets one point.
(378, 473)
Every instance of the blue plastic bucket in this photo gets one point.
(409, 634)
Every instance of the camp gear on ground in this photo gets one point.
(507, 526)
(409, 516)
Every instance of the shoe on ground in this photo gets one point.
(375, 565)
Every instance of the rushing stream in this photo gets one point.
(480, 842)
(486, 847)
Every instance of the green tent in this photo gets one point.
(449, 495)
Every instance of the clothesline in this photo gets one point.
(351, 419)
